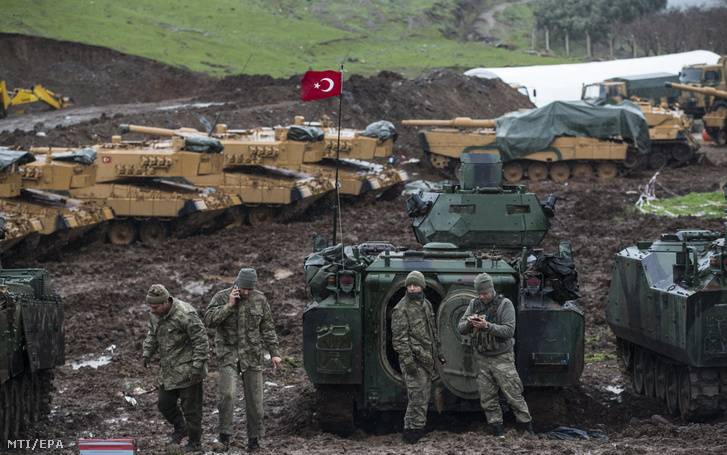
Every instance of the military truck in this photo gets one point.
(701, 75)
(32, 344)
(479, 225)
(130, 180)
(561, 139)
(715, 118)
(644, 86)
(666, 308)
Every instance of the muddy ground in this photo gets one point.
(103, 285)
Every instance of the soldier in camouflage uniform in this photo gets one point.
(176, 331)
(414, 338)
(243, 321)
(490, 322)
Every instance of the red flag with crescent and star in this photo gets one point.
(317, 85)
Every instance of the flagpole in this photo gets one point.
(338, 153)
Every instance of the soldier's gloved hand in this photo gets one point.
(196, 375)
(411, 369)
(145, 363)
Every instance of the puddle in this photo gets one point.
(93, 363)
(615, 389)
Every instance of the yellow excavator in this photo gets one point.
(24, 95)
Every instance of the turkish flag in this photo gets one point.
(317, 85)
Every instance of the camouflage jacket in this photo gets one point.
(414, 336)
(242, 329)
(181, 339)
(500, 314)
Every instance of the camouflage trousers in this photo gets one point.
(253, 389)
(499, 373)
(191, 409)
(418, 390)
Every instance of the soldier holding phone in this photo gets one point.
(241, 315)
(490, 322)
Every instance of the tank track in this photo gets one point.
(24, 399)
(694, 393)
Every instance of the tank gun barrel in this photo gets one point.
(458, 122)
(705, 90)
(158, 131)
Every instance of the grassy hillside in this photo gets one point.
(281, 38)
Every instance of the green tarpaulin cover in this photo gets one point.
(83, 156)
(8, 157)
(522, 133)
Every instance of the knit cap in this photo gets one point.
(157, 294)
(483, 284)
(246, 279)
(416, 278)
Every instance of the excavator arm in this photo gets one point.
(22, 96)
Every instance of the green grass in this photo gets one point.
(281, 38)
(705, 205)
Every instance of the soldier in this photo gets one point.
(490, 318)
(243, 321)
(414, 338)
(176, 331)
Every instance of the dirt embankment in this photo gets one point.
(103, 285)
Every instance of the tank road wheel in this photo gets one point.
(607, 170)
(513, 172)
(638, 376)
(660, 377)
(625, 354)
(687, 405)
(657, 159)
(632, 158)
(721, 137)
(122, 232)
(649, 375)
(672, 389)
(582, 170)
(260, 215)
(152, 231)
(334, 408)
(537, 172)
(560, 172)
(681, 153)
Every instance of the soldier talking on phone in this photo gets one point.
(241, 315)
(490, 322)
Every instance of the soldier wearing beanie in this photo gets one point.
(177, 333)
(415, 339)
(490, 322)
(241, 315)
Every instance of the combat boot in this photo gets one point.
(498, 431)
(527, 427)
(223, 443)
(419, 434)
(252, 444)
(193, 446)
(179, 433)
(408, 436)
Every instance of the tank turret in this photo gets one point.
(477, 226)
(512, 219)
(715, 118)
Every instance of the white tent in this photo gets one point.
(564, 82)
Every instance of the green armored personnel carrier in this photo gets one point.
(31, 346)
(667, 308)
(477, 226)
